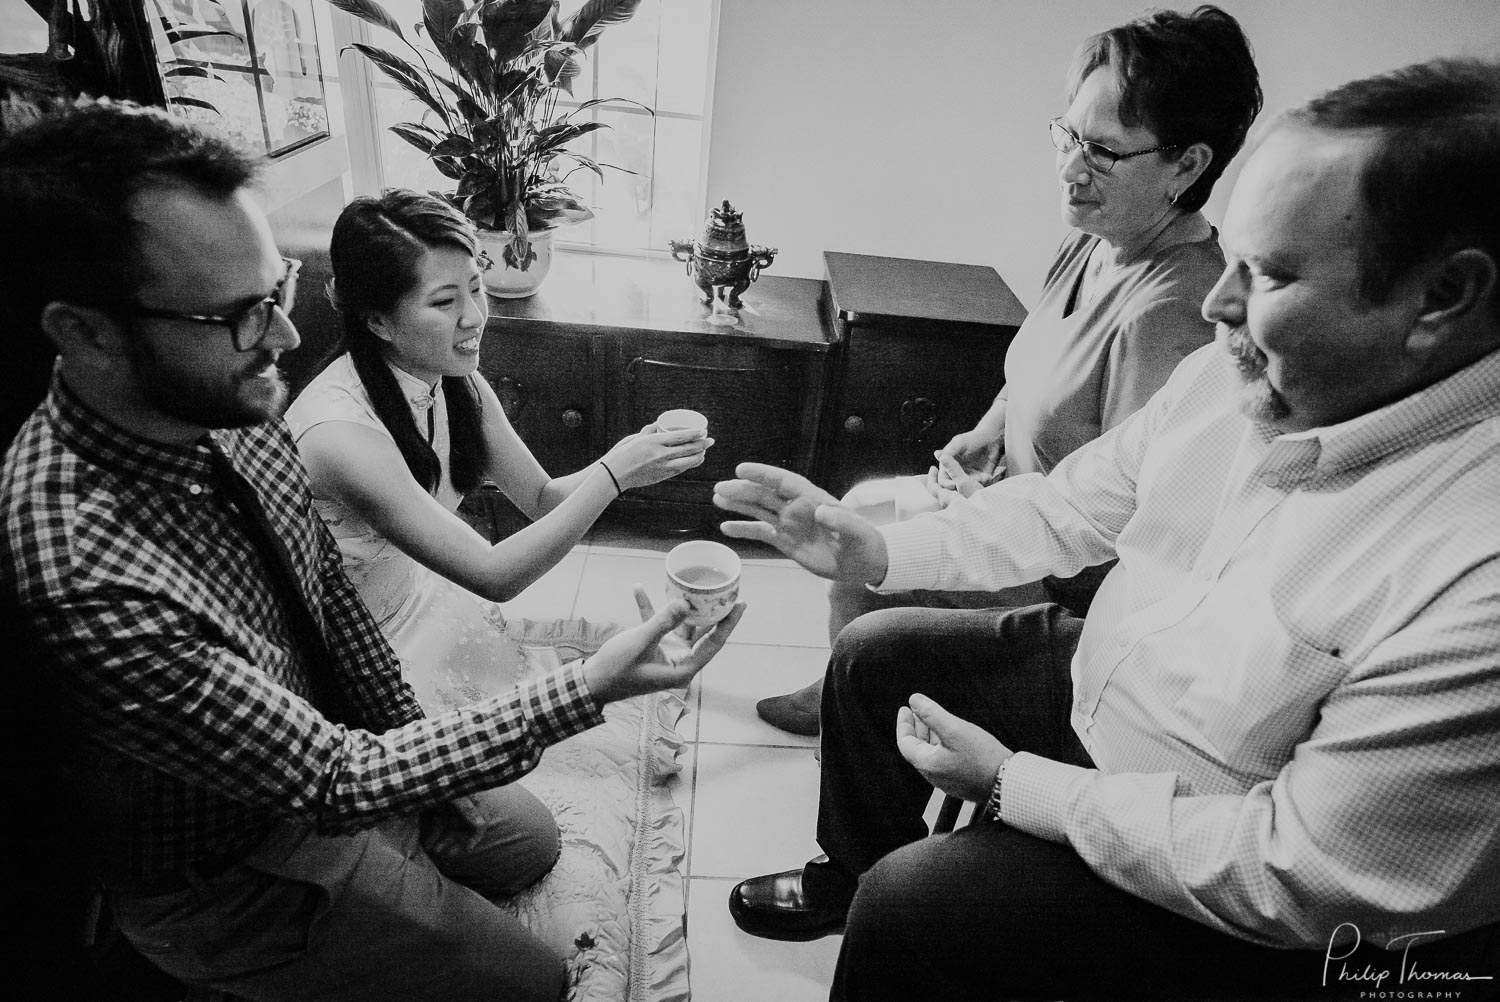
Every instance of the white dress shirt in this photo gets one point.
(1290, 684)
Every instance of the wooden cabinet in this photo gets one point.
(761, 403)
(864, 374)
(921, 357)
(545, 384)
(607, 344)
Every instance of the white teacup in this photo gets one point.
(680, 419)
(705, 575)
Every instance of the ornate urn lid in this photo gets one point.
(724, 233)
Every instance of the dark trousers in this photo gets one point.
(401, 912)
(990, 913)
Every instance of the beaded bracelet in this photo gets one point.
(611, 473)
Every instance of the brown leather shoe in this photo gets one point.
(796, 712)
(795, 905)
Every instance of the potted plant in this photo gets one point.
(494, 121)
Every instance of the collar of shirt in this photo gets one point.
(419, 396)
(1462, 399)
(92, 435)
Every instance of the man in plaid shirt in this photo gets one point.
(1268, 762)
(269, 815)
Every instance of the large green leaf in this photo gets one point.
(453, 146)
(582, 28)
(508, 24)
(448, 168)
(555, 137)
(550, 211)
(440, 17)
(371, 12)
(407, 76)
(584, 25)
(419, 136)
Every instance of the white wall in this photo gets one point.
(919, 129)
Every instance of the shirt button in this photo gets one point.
(195, 489)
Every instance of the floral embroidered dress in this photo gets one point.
(614, 902)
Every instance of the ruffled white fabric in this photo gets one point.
(614, 903)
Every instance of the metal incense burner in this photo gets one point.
(720, 262)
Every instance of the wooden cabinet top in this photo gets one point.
(866, 288)
(595, 293)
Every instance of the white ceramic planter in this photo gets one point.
(512, 283)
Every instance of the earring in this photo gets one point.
(1172, 199)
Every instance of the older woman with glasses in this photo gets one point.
(1156, 110)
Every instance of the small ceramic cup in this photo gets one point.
(705, 575)
(681, 418)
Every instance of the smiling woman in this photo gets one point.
(402, 392)
(394, 431)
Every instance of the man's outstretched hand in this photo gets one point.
(803, 521)
(651, 657)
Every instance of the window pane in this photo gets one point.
(405, 165)
(286, 47)
(623, 215)
(674, 208)
(21, 28)
(624, 56)
(203, 53)
(682, 65)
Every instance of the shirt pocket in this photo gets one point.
(1261, 701)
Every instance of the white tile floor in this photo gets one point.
(749, 791)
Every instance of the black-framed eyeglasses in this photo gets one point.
(1097, 157)
(247, 325)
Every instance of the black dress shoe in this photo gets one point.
(795, 905)
(796, 712)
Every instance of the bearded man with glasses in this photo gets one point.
(242, 770)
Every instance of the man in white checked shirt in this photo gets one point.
(1269, 762)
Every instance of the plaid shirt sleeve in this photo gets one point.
(367, 664)
(164, 693)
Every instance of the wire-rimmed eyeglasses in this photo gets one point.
(247, 325)
(1097, 157)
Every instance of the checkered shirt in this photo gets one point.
(1290, 684)
(175, 659)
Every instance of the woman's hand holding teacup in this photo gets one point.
(651, 456)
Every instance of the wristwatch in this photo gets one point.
(992, 809)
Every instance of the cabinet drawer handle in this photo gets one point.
(854, 424)
(633, 367)
(919, 413)
(572, 418)
(513, 397)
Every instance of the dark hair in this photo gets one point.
(376, 251)
(1430, 185)
(66, 182)
(1189, 78)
